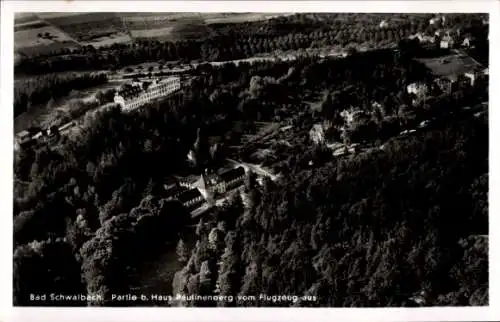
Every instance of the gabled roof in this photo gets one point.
(189, 195)
(130, 92)
(232, 174)
(174, 191)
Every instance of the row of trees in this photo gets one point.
(48, 88)
(235, 41)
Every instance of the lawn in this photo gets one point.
(450, 65)
(30, 37)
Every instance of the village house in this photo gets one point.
(436, 20)
(418, 89)
(447, 42)
(422, 38)
(350, 115)
(318, 133)
(466, 42)
(384, 24)
(446, 83)
(23, 136)
(472, 76)
(191, 156)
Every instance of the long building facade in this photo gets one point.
(137, 95)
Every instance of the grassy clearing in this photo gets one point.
(113, 38)
(450, 65)
(31, 37)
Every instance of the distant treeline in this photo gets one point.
(43, 89)
(236, 41)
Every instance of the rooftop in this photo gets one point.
(189, 195)
(133, 91)
(232, 174)
(174, 191)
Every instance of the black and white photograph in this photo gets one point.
(250, 159)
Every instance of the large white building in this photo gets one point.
(136, 96)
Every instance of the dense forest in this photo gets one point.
(374, 230)
(235, 41)
(46, 89)
(98, 199)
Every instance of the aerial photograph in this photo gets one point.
(195, 159)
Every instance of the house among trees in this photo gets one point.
(351, 115)
(135, 95)
(445, 83)
(417, 89)
(436, 20)
(472, 76)
(447, 42)
(422, 38)
(317, 134)
(213, 184)
(467, 42)
(384, 24)
(23, 136)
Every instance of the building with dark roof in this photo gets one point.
(191, 198)
(169, 183)
(136, 96)
(174, 192)
(233, 175)
(213, 184)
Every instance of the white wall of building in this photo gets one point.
(157, 90)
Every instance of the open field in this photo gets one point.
(71, 30)
(112, 38)
(152, 33)
(87, 27)
(242, 17)
(23, 17)
(30, 25)
(450, 65)
(31, 37)
(34, 36)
